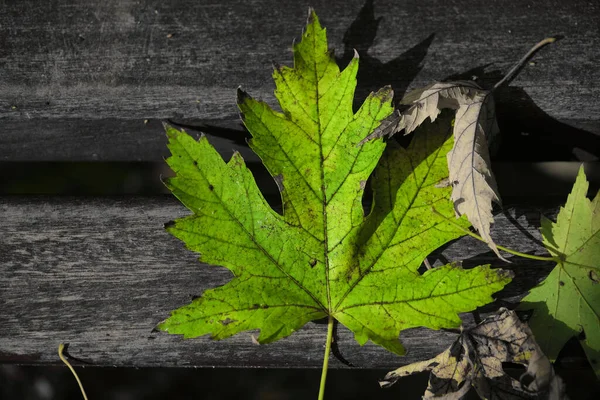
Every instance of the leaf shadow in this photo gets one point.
(373, 73)
(528, 133)
(533, 218)
(401, 174)
(236, 136)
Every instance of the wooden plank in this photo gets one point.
(100, 273)
(78, 78)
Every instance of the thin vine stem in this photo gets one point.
(521, 63)
(506, 249)
(61, 348)
(326, 357)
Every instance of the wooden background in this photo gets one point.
(78, 78)
(92, 81)
(101, 273)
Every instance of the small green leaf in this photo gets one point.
(322, 256)
(567, 302)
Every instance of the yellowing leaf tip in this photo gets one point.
(581, 173)
(236, 159)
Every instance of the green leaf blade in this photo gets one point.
(221, 314)
(567, 302)
(397, 236)
(275, 139)
(233, 226)
(432, 300)
(405, 183)
(322, 257)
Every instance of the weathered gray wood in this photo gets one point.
(100, 273)
(78, 78)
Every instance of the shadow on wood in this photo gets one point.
(528, 133)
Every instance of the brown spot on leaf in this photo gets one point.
(443, 183)
(593, 275)
(211, 187)
(561, 283)
(312, 262)
(226, 321)
(279, 181)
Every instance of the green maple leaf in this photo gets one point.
(567, 302)
(322, 256)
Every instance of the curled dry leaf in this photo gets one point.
(474, 185)
(475, 360)
(426, 102)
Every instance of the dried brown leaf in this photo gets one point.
(475, 360)
(426, 102)
(474, 185)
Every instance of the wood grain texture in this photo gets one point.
(100, 273)
(78, 78)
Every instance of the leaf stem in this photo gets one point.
(476, 236)
(61, 348)
(326, 357)
(521, 63)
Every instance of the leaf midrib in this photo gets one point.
(322, 175)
